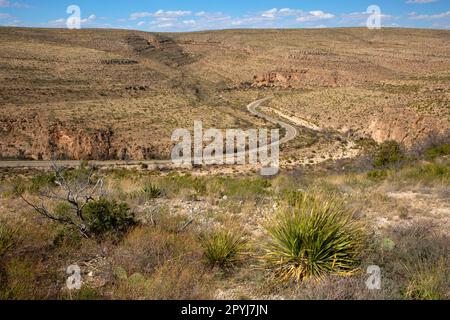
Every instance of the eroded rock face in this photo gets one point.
(39, 138)
(34, 138)
(64, 143)
(284, 78)
(159, 47)
(407, 127)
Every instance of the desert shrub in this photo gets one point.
(238, 187)
(42, 180)
(437, 151)
(104, 216)
(377, 174)
(190, 283)
(88, 294)
(148, 192)
(145, 248)
(429, 282)
(20, 283)
(176, 183)
(411, 257)
(388, 153)
(311, 237)
(6, 238)
(426, 172)
(67, 236)
(223, 248)
(334, 287)
(151, 191)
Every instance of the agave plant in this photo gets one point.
(312, 236)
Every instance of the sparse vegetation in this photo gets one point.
(6, 238)
(139, 229)
(377, 174)
(434, 152)
(429, 282)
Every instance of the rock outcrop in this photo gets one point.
(33, 138)
(284, 78)
(39, 138)
(407, 127)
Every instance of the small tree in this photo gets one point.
(74, 189)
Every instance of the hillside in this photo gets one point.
(116, 94)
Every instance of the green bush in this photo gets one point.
(388, 153)
(377, 174)
(105, 216)
(434, 152)
(67, 236)
(223, 249)
(6, 238)
(426, 172)
(42, 180)
(311, 237)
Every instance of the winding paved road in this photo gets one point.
(291, 133)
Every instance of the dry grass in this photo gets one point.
(59, 96)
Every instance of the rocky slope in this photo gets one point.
(117, 94)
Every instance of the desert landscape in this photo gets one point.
(87, 179)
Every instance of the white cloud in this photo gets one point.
(139, 15)
(299, 15)
(5, 16)
(62, 22)
(315, 16)
(420, 1)
(443, 15)
(172, 14)
(57, 23)
(270, 13)
(89, 19)
(141, 23)
(160, 14)
(9, 4)
(163, 25)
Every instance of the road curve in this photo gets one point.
(291, 133)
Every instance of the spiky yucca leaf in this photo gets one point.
(313, 236)
(223, 248)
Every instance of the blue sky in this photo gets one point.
(178, 15)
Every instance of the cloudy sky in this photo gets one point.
(179, 15)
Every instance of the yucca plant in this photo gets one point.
(150, 191)
(223, 248)
(312, 236)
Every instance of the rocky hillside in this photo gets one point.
(115, 94)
